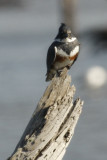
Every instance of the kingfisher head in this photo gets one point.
(64, 32)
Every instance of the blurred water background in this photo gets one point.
(27, 28)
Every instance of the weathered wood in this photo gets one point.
(52, 125)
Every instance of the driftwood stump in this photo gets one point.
(52, 124)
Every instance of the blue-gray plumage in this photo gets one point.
(63, 52)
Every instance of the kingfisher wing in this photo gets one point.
(51, 55)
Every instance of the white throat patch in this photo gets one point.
(70, 39)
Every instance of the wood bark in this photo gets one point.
(52, 124)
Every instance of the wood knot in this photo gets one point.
(67, 136)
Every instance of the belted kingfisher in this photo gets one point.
(62, 53)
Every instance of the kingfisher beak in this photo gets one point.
(69, 35)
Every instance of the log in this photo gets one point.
(52, 124)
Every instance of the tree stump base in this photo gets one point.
(52, 124)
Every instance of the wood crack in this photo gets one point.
(52, 125)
